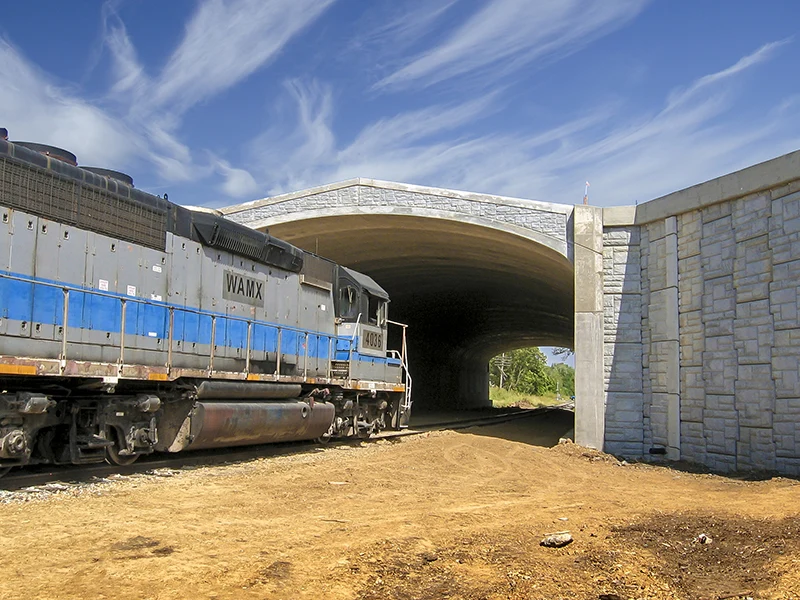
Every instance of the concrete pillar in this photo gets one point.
(589, 397)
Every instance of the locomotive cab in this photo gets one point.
(361, 311)
(362, 323)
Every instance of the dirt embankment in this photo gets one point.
(447, 515)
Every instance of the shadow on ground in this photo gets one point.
(542, 428)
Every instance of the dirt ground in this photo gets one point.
(446, 515)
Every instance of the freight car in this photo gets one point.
(130, 324)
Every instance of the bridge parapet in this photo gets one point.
(548, 223)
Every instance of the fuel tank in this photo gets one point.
(220, 424)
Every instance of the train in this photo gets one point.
(130, 324)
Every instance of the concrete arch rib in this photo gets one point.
(469, 287)
(558, 244)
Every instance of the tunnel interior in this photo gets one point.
(468, 292)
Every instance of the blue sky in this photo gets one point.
(222, 101)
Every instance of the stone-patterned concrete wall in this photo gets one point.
(663, 350)
(736, 386)
(622, 341)
(784, 303)
(535, 216)
(692, 338)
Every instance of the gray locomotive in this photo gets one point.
(129, 324)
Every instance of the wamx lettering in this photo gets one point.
(243, 289)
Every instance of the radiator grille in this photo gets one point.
(47, 194)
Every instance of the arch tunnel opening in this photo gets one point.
(467, 291)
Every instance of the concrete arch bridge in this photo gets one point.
(473, 274)
(684, 311)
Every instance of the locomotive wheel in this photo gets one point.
(112, 452)
(362, 433)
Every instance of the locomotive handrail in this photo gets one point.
(66, 288)
(162, 304)
(404, 362)
(124, 300)
(65, 317)
(278, 352)
(212, 345)
(353, 339)
(355, 328)
(249, 340)
(305, 358)
(330, 358)
(122, 311)
(404, 326)
(170, 336)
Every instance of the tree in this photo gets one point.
(524, 370)
(564, 375)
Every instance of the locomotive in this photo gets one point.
(130, 325)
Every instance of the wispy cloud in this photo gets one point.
(321, 132)
(401, 28)
(506, 35)
(128, 72)
(299, 144)
(764, 53)
(140, 116)
(237, 183)
(686, 142)
(411, 127)
(403, 145)
(226, 41)
(627, 157)
(37, 107)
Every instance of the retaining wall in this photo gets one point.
(701, 329)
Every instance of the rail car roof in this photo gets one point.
(139, 217)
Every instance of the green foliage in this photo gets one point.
(526, 371)
(503, 398)
(523, 370)
(565, 375)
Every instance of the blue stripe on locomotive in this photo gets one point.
(26, 301)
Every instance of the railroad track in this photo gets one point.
(54, 478)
